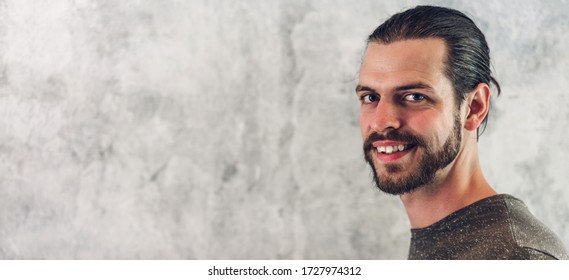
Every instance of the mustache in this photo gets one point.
(393, 135)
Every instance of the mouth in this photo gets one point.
(394, 149)
(391, 153)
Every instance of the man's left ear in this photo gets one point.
(478, 102)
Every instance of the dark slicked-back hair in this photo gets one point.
(468, 56)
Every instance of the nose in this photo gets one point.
(386, 117)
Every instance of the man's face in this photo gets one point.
(409, 118)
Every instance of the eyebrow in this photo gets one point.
(364, 88)
(417, 85)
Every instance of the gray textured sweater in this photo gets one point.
(497, 227)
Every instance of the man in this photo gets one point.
(424, 92)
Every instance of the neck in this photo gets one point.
(457, 186)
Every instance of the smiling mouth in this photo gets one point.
(393, 149)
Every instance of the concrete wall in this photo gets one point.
(229, 129)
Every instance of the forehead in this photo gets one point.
(407, 61)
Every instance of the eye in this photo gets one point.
(414, 97)
(369, 98)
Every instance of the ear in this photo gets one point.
(478, 102)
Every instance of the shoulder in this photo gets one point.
(534, 239)
(524, 253)
(498, 227)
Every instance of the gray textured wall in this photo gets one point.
(229, 129)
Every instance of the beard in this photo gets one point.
(429, 163)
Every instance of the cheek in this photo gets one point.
(431, 127)
(364, 124)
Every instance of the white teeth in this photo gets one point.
(390, 149)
